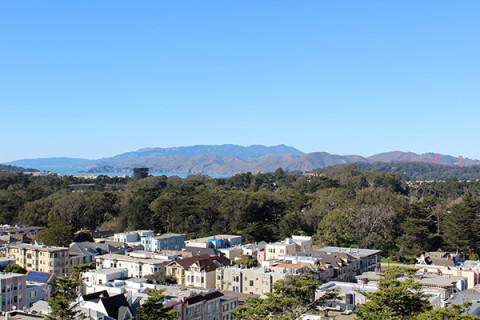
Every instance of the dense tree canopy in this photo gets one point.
(341, 206)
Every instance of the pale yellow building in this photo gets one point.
(41, 258)
(251, 281)
(290, 246)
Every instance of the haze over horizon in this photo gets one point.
(86, 79)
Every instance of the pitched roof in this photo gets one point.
(124, 313)
(113, 304)
(201, 297)
(187, 262)
(194, 299)
(95, 295)
(213, 295)
(205, 262)
(85, 248)
(443, 262)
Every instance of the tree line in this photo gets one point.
(341, 206)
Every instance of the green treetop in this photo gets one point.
(154, 309)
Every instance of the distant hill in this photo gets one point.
(316, 160)
(226, 150)
(210, 163)
(229, 158)
(423, 171)
(47, 162)
(426, 157)
(6, 167)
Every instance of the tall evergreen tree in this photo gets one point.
(64, 301)
(394, 299)
(154, 309)
(460, 226)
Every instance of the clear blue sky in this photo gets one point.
(93, 79)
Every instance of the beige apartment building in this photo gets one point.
(41, 258)
(197, 271)
(13, 291)
(250, 281)
(290, 246)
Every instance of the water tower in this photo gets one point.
(140, 173)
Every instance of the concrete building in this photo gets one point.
(369, 260)
(13, 291)
(137, 267)
(167, 241)
(93, 278)
(251, 281)
(132, 236)
(232, 253)
(290, 246)
(218, 241)
(42, 258)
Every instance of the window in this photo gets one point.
(251, 283)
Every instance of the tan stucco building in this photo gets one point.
(41, 258)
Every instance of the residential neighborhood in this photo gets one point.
(203, 279)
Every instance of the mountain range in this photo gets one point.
(216, 159)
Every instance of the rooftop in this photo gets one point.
(352, 251)
(121, 257)
(37, 247)
(8, 275)
(167, 236)
(106, 271)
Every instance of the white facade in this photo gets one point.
(132, 236)
(290, 246)
(136, 267)
(92, 278)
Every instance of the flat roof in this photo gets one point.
(8, 275)
(121, 257)
(37, 247)
(352, 251)
(169, 235)
(106, 270)
(216, 237)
